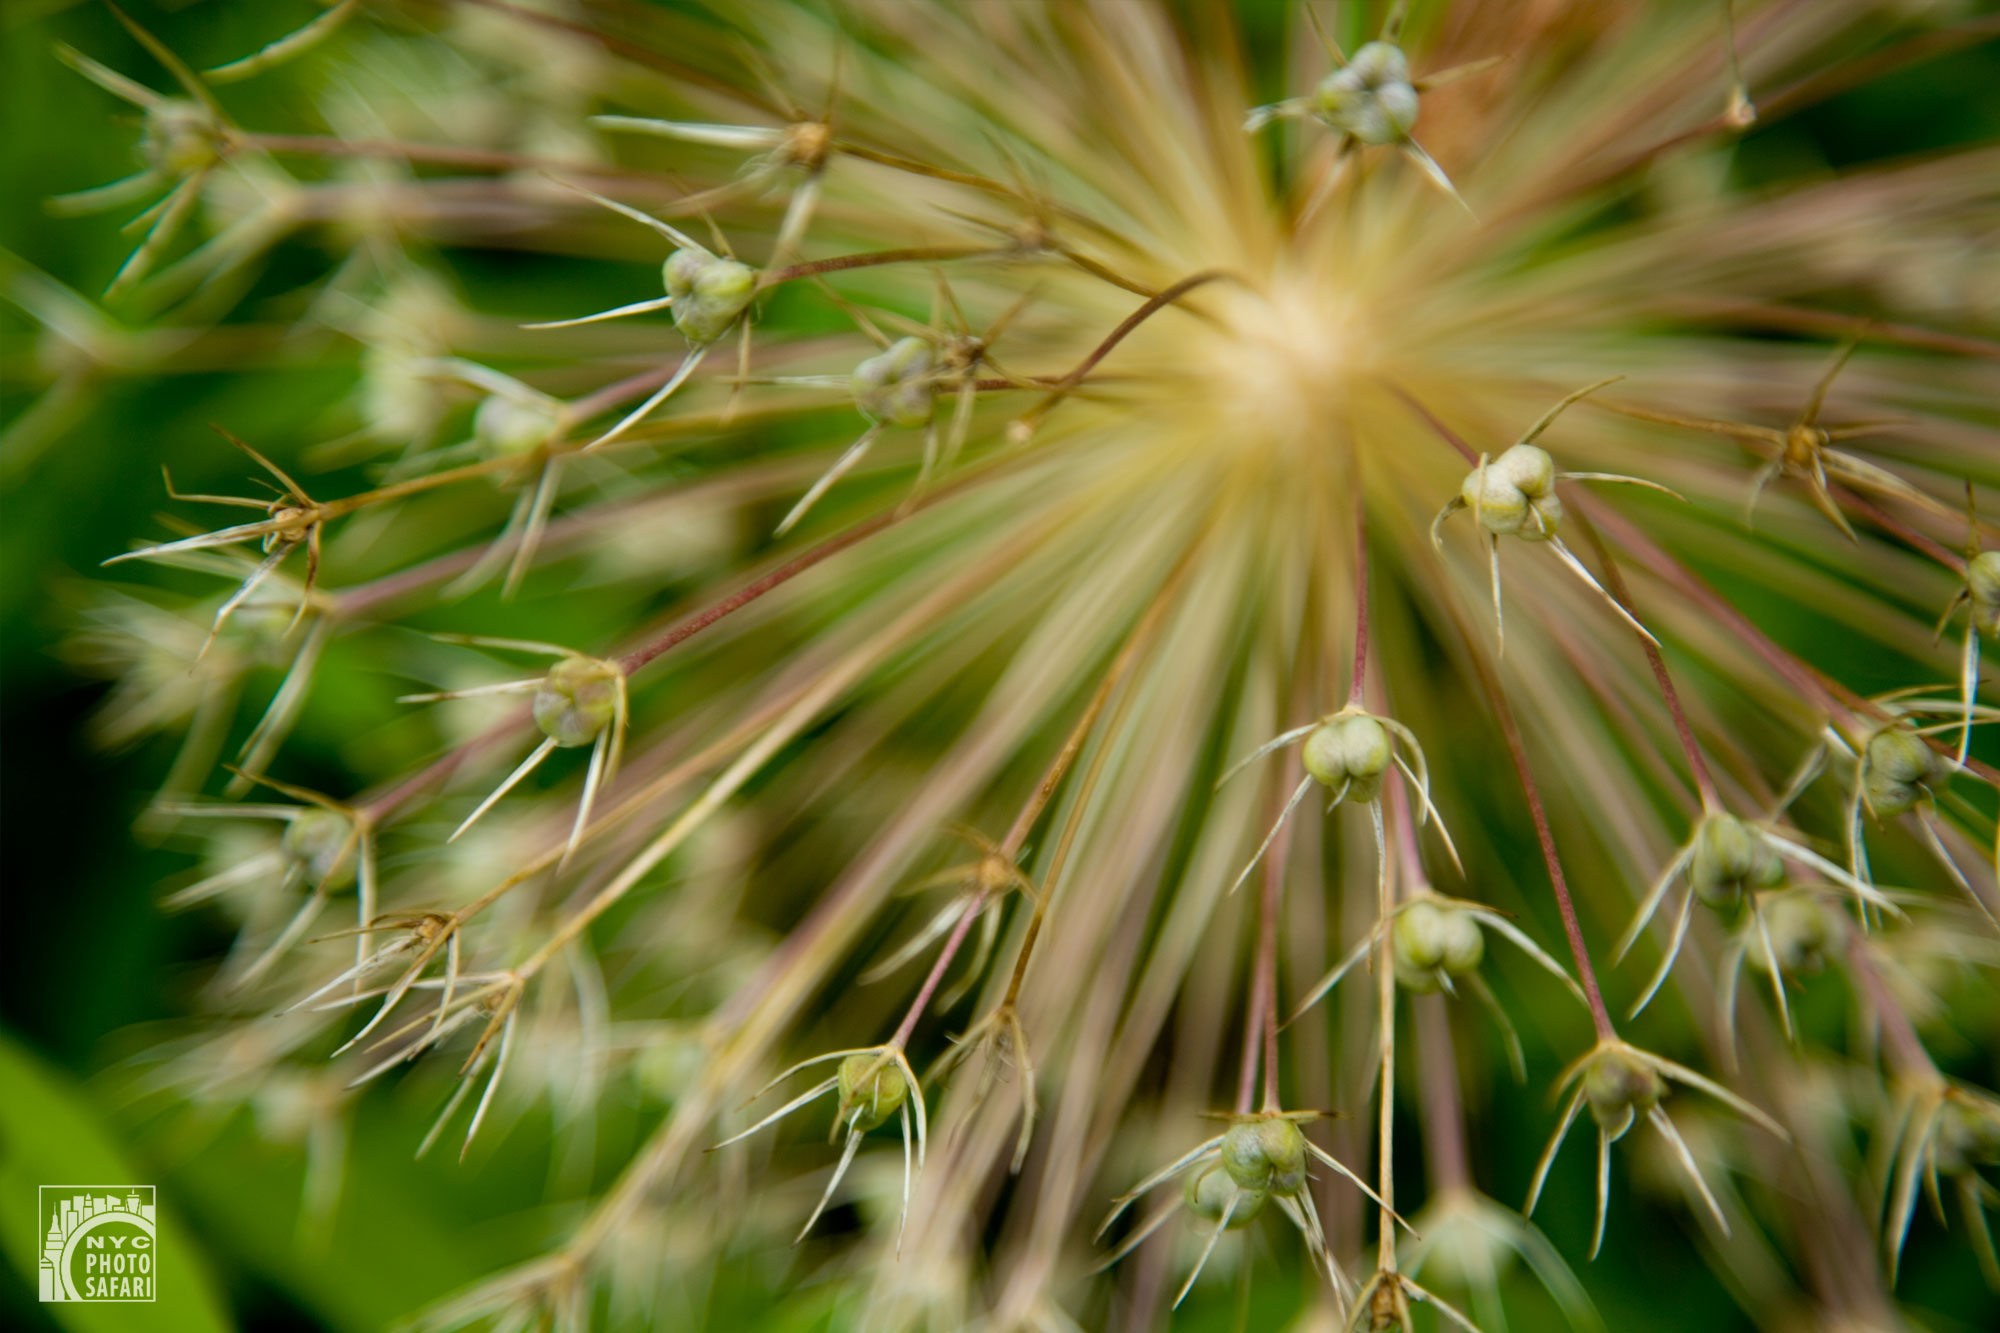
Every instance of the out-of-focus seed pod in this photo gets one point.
(577, 700)
(1267, 1154)
(871, 1098)
(1982, 587)
(1619, 1087)
(898, 387)
(181, 138)
(1967, 1136)
(507, 426)
(1805, 931)
(1209, 1191)
(1431, 943)
(319, 842)
(1464, 1249)
(1353, 750)
(1729, 858)
(1371, 97)
(709, 292)
(1899, 771)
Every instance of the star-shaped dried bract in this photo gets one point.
(293, 519)
(1804, 452)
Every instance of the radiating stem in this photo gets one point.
(1385, 999)
(1511, 730)
(1906, 1046)
(915, 254)
(1614, 583)
(1068, 383)
(1039, 799)
(1260, 1019)
(1359, 684)
(1444, 1126)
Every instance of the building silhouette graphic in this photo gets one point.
(70, 1215)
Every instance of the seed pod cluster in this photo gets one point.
(1515, 494)
(710, 293)
(320, 843)
(898, 387)
(577, 700)
(1432, 944)
(1899, 771)
(1350, 750)
(1620, 1087)
(1371, 97)
(1266, 1155)
(1730, 859)
(870, 1098)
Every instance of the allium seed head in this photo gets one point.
(872, 1088)
(321, 843)
(1352, 751)
(1266, 1154)
(710, 293)
(1619, 1085)
(577, 700)
(1433, 943)
(1729, 858)
(1900, 770)
(897, 386)
(1372, 97)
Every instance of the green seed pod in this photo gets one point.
(1430, 943)
(317, 841)
(1982, 586)
(507, 426)
(897, 386)
(1805, 932)
(1208, 1191)
(709, 292)
(1266, 1154)
(1515, 494)
(1729, 858)
(1619, 1086)
(1353, 749)
(577, 700)
(1967, 1136)
(1371, 97)
(180, 138)
(876, 1096)
(1900, 771)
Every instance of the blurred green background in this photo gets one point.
(91, 970)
